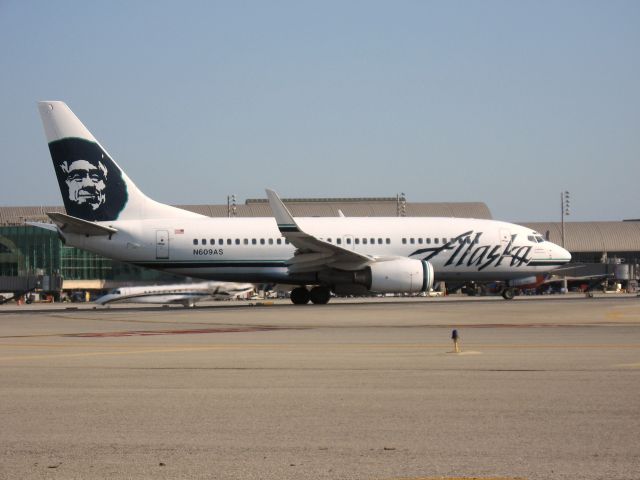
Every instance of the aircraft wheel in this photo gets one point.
(300, 296)
(320, 295)
(508, 293)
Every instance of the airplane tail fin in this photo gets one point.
(93, 186)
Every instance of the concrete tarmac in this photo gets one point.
(543, 389)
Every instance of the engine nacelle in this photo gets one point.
(404, 275)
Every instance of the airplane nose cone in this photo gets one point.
(104, 299)
(562, 255)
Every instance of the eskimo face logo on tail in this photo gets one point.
(92, 186)
(86, 182)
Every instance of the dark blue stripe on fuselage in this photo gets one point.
(214, 264)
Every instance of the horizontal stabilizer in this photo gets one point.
(69, 224)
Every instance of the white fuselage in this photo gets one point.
(254, 250)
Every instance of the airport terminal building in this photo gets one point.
(31, 257)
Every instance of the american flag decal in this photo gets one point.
(179, 231)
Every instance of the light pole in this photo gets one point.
(564, 211)
(401, 205)
(231, 206)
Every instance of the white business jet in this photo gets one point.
(108, 214)
(186, 294)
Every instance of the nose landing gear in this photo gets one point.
(508, 293)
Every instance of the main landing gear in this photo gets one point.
(317, 295)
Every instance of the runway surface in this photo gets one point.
(543, 389)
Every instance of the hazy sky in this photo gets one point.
(505, 102)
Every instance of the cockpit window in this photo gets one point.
(536, 238)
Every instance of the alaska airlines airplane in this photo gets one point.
(107, 214)
(186, 294)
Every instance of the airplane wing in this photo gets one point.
(67, 223)
(313, 254)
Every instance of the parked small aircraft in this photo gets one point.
(186, 294)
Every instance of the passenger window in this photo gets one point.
(237, 241)
(373, 241)
(195, 241)
(404, 241)
(279, 241)
(253, 241)
(339, 241)
(204, 241)
(444, 240)
(286, 241)
(364, 241)
(262, 241)
(436, 240)
(271, 241)
(357, 240)
(420, 241)
(412, 240)
(348, 241)
(428, 241)
(228, 241)
(212, 241)
(388, 241)
(246, 241)
(379, 241)
(221, 241)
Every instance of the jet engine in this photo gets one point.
(403, 275)
(400, 276)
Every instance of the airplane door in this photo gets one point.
(162, 244)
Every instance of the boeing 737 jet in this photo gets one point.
(108, 214)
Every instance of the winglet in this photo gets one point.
(312, 253)
(283, 216)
